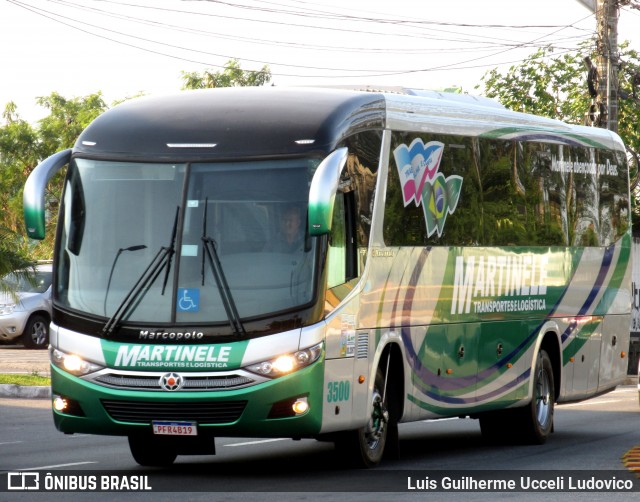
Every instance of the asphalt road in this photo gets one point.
(592, 436)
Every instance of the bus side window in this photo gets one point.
(342, 259)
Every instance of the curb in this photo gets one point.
(24, 391)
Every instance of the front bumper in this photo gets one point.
(12, 325)
(256, 411)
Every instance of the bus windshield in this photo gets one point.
(167, 224)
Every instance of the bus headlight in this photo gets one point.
(287, 363)
(72, 363)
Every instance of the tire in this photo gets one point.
(150, 452)
(364, 447)
(536, 418)
(36, 332)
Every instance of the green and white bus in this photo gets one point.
(329, 263)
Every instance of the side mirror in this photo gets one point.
(34, 189)
(322, 193)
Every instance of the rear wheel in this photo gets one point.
(36, 332)
(149, 451)
(532, 424)
(364, 447)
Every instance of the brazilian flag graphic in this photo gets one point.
(440, 198)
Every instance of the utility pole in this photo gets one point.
(608, 60)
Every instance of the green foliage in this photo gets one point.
(231, 76)
(22, 147)
(12, 260)
(66, 120)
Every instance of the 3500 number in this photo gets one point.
(338, 391)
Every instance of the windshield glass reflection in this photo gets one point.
(117, 215)
(245, 210)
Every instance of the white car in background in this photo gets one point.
(27, 315)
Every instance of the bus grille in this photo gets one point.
(203, 413)
(191, 383)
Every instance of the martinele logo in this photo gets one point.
(159, 356)
(418, 166)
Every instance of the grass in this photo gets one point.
(33, 379)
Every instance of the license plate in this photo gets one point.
(175, 428)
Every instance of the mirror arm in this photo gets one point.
(34, 191)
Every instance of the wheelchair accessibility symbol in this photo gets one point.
(188, 300)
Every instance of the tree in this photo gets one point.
(22, 147)
(12, 260)
(231, 76)
(555, 86)
(19, 154)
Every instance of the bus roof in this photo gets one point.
(228, 123)
(240, 121)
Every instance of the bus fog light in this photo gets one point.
(59, 403)
(301, 406)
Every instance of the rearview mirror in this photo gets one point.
(34, 189)
(322, 192)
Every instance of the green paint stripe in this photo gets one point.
(615, 281)
(518, 356)
(421, 386)
(509, 398)
(617, 277)
(580, 339)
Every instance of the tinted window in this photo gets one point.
(451, 190)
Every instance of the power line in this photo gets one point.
(327, 15)
(368, 72)
(49, 14)
(290, 24)
(297, 45)
(263, 41)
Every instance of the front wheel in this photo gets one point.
(364, 447)
(537, 416)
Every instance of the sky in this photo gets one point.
(126, 47)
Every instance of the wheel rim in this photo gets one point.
(39, 333)
(543, 398)
(375, 428)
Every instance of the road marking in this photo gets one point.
(592, 401)
(440, 419)
(257, 442)
(53, 466)
(623, 391)
(11, 442)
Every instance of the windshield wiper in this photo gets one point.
(209, 248)
(161, 260)
(113, 267)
